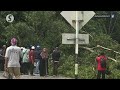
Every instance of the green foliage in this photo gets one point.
(67, 66)
(46, 28)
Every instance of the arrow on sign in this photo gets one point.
(69, 38)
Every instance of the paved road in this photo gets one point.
(36, 77)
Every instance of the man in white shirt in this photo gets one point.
(12, 58)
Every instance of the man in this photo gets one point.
(5, 73)
(101, 65)
(55, 57)
(31, 60)
(12, 57)
(25, 61)
(2, 59)
(37, 59)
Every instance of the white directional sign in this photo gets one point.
(70, 16)
(68, 38)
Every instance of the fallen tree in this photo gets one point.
(98, 46)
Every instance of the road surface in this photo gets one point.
(37, 76)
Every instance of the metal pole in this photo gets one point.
(76, 44)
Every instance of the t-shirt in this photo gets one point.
(98, 59)
(37, 54)
(56, 55)
(31, 56)
(13, 53)
(25, 54)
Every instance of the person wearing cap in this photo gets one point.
(12, 58)
(31, 60)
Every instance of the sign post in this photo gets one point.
(77, 19)
(76, 45)
(78, 27)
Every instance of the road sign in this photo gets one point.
(77, 19)
(10, 18)
(70, 16)
(68, 38)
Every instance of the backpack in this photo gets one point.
(103, 63)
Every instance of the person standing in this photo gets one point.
(31, 60)
(37, 59)
(25, 61)
(102, 64)
(2, 58)
(12, 58)
(44, 62)
(5, 73)
(21, 64)
(55, 58)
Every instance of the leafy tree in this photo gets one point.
(46, 27)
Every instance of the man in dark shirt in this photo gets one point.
(37, 59)
(55, 57)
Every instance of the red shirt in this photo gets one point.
(98, 62)
(31, 56)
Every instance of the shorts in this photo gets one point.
(14, 71)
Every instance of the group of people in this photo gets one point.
(19, 60)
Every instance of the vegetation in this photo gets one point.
(46, 27)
